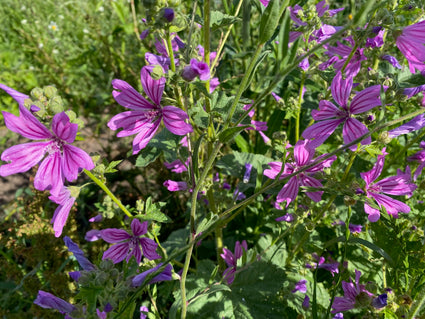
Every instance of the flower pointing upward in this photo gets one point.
(145, 116)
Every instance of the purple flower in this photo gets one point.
(300, 286)
(145, 116)
(128, 245)
(285, 218)
(306, 302)
(143, 312)
(265, 2)
(420, 158)
(330, 116)
(380, 301)
(78, 254)
(411, 43)
(168, 14)
(17, 96)
(65, 201)
(165, 275)
(48, 301)
(414, 124)
(246, 176)
(232, 260)
(93, 235)
(355, 229)
(196, 68)
(63, 160)
(332, 266)
(322, 7)
(173, 186)
(339, 315)
(392, 60)
(355, 295)
(303, 155)
(339, 56)
(393, 185)
(153, 59)
(377, 41)
(410, 92)
(177, 166)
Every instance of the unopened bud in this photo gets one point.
(37, 93)
(168, 14)
(50, 91)
(349, 201)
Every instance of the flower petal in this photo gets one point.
(341, 89)
(114, 235)
(22, 157)
(63, 128)
(49, 175)
(139, 228)
(61, 215)
(73, 159)
(289, 191)
(129, 97)
(327, 110)
(145, 135)
(153, 88)
(322, 129)
(117, 252)
(175, 120)
(149, 248)
(366, 100)
(26, 124)
(352, 130)
(17, 96)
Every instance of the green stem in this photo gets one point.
(133, 13)
(192, 238)
(170, 51)
(243, 84)
(206, 29)
(300, 100)
(108, 192)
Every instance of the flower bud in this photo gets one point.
(168, 14)
(37, 93)
(50, 91)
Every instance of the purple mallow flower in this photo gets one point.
(145, 116)
(232, 260)
(420, 158)
(65, 201)
(143, 312)
(300, 286)
(306, 302)
(339, 56)
(78, 254)
(303, 155)
(414, 124)
(330, 116)
(332, 266)
(173, 186)
(411, 43)
(392, 60)
(380, 301)
(127, 245)
(393, 185)
(177, 166)
(17, 96)
(168, 14)
(63, 161)
(247, 175)
(355, 295)
(196, 68)
(165, 275)
(48, 301)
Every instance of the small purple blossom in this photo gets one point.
(306, 302)
(168, 14)
(196, 68)
(329, 116)
(332, 266)
(165, 275)
(380, 301)
(143, 312)
(127, 245)
(355, 295)
(48, 301)
(246, 176)
(355, 229)
(174, 186)
(377, 41)
(410, 92)
(145, 116)
(411, 43)
(232, 260)
(78, 254)
(417, 123)
(420, 158)
(339, 315)
(393, 185)
(177, 166)
(303, 155)
(300, 286)
(392, 60)
(289, 218)
(93, 235)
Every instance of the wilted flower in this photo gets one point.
(232, 260)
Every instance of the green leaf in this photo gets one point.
(242, 143)
(269, 21)
(198, 115)
(260, 59)
(234, 164)
(195, 156)
(229, 134)
(206, 223)
(284, 36)
(219, 20)
(373, 247)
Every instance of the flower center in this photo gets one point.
(152, 115)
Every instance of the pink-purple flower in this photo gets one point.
(394, 185)
(420, 158)
(145, 116)
(165, 275)
(127, 245)
(232, 260)
(65, 201)
(303, 155)
(63, 160)
(355, 295)
(329, 116)
(411, 43)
